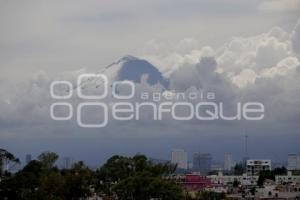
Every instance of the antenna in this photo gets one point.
(246, 145)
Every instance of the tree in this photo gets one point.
(115, 169)
(78, 181)
(238, 169)
(23, 184)
(137, 178)
(236, 183)
(51, 186)
(253, 190)
(144, 186)
(280, 171)
(5, 158)
(122, 177)
(48, 159)
(263, 175)
(207, 195)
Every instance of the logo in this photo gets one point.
(126, 107)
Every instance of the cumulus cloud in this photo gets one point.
(261, 68)
(245, 77)
(296, 38)
(280, 5)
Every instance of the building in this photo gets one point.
(179, 157)
(254, 167)
(196, 182)
(191, 182)
(157, 161)
(289, 178)
(225, 180)
(67, 163)
(293, 162)
(202, 162)
(27, 158)
(228, 162)
(215, 166)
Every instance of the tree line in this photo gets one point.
(124, 178)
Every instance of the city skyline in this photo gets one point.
(291, 161)
(149, 99)
(240, 51)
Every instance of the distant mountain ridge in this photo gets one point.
(133, 69)
(129, 68)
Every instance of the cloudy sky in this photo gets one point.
(241, 50)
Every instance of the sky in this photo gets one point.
(255, 46)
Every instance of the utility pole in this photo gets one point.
(246, 145)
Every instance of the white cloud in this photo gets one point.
(247, 76)
(296, 38)
(262, 68)
(280, 5)
(283, 68)
(270, 51)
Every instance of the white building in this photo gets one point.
(244, 179)
(255, 166)
(248, 181)
(179, 157)
(289, 178)
(293, 162)
(228, 162)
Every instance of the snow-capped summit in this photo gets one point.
(132, 68)
(127, 68)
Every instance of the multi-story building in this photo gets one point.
(202, 162)
(228, 162)
(244, 180)
(179, 157)
(254, 167)
(67, 162)
(293, 162)
(289, 178)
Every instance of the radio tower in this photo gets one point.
(246, 146)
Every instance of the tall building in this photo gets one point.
(67, 163)
(27, 158)
(202, 162)
(179, 157)
(254, 167)
(228, 162)
(293, 162)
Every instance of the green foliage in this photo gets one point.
(209, 195)
(263, 175)
(36, 182)
(280, 171)
(78, 181)
(238, 169)
(213, 172)
(122, 177)
(137, 178)
(236, 183)
(48, 159)
(296, 172)
(6, 156)
(141, 186)
(253, 190)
